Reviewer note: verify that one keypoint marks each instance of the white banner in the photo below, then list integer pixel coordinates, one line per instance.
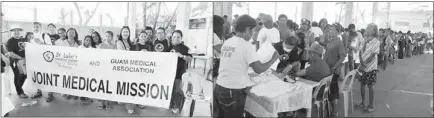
(144, 78)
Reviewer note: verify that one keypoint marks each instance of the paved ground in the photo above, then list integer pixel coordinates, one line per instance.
(404, 89)
(63, 107)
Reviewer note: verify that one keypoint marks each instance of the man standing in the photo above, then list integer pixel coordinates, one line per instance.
(52, 33)
(16, 52)
(283, 27)
(43, 39)
(334, 56)
(233, 22)
(161, 44)
(268, 33)
(39, 36)
(233, 81)
(226, 27)
(309, 39)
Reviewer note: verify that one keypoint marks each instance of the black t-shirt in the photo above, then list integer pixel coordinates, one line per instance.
(182, 64)
(12, 46)
(293, 55)
(161, 46)
(54, 37)
(147, 46)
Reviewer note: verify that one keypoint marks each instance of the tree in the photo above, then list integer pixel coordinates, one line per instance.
(158, 14)
(146, 6)
(87, 12)
(63, 16)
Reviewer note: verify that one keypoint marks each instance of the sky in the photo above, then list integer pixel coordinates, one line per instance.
(118, 11)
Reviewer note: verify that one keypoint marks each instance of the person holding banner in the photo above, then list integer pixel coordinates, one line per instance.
(183, 57)
(233, 81)
(68, 39)
(124, 43)
(161, 44)
(88, 42)
(96, 39)
(143, 44)
(16, 52)
(62, 38)
(108, 43)
(44, 39)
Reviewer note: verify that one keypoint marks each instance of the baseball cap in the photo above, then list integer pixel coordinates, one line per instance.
(305, 21)
(16, 27)
(315, 47)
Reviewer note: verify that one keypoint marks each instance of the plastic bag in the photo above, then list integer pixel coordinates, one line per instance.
(265, 52)
(8, 80)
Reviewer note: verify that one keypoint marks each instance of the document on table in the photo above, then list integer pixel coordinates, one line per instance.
(274, 88)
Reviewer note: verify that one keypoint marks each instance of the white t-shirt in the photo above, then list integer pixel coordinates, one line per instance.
(272, 35)
(316, 31)
(65, 43)
(237, 54)
(216, 41)
(346, 56)
(45, 39)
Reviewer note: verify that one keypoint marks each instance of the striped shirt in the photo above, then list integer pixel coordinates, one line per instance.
(372, 46)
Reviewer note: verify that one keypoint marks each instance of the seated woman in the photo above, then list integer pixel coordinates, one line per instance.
(289, 57)
(183, 57)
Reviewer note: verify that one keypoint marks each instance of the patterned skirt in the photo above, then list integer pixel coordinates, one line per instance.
(369, 78)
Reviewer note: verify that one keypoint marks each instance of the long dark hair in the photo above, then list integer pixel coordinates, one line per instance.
(27, 35)
(128, 38)
(63, 29)
(92, 44)
(99, 38)
(76, 35)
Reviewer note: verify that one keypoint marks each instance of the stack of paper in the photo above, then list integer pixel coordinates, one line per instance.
(274, 88)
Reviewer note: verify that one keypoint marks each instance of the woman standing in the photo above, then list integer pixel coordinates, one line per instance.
(183, 57)
(368, 68)
(124, 43)
(108, 43)
(143, 44)
(88, 42)
(96, 39)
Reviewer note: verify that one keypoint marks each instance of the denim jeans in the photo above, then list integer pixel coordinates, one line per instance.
(229, 103)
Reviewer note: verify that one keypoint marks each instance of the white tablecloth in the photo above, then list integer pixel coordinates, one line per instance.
(290, 100)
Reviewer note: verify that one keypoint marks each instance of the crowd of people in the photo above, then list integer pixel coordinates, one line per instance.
(311, 50)
(149, 40)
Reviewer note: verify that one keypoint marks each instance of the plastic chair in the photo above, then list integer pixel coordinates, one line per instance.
(190, 94)
(347, 89)
(322, 102)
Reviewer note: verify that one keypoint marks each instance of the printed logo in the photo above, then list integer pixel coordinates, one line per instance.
(159, 47)
(48, 56)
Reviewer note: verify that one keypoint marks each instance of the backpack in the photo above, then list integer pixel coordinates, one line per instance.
(43, 38)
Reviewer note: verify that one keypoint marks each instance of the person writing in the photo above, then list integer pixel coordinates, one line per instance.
(289, 57)
(237, 55)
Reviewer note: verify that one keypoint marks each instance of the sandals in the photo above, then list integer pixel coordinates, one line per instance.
(101, 107)
(108, 107)
(369, 110)
(360, 105)
(23, 96)
(131, 112)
